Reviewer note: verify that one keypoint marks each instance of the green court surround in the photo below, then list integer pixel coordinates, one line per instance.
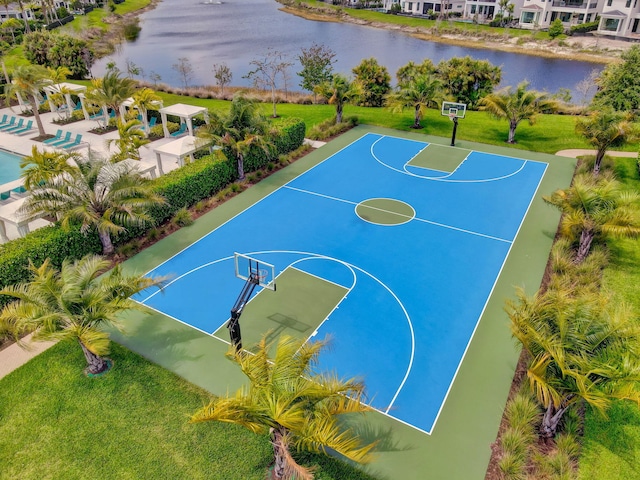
(460, 446)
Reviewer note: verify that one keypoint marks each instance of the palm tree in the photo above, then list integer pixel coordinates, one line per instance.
(111, 90)
(595, 207)
(580, 349)
(99, 194)
(11, 24)
(298, 407)
(143, 100)
(516, 106)
(241, 129)
(605, 128)
(24, 17)
(419, 92)
(74, 303)
(130, 139)
(28, 81)
(43, 166)
(58, 75)
(339, 91)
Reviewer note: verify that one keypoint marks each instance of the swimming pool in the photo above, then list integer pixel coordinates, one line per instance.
(9, 167)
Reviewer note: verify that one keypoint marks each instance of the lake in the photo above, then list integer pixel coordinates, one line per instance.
(238, 31)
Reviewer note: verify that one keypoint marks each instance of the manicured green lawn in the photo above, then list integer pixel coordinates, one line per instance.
(131, 423)
(611, 448)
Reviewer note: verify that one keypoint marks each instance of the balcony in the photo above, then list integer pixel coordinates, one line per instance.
(559, 3)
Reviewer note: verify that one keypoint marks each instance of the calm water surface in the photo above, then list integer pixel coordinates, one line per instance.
(238, 31)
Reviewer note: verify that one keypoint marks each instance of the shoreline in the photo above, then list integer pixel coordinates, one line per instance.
(575, 48)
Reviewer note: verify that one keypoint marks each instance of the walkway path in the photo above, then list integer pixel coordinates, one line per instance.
(14, 356)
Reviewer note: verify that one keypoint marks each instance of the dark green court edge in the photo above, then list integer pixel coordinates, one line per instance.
(460, 446)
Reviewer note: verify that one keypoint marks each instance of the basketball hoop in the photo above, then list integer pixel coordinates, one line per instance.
(453, 116)
(259, 275)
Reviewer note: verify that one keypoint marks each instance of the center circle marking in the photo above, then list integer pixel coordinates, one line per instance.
(385, 211)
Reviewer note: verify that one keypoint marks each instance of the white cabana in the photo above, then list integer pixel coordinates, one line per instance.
(67, 89)
(129, 103)
(181, 148)
(186, 114)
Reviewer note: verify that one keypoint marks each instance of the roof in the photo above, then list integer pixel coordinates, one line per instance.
(533, 7)
(183, 110)
(71, 87)
(182, 146)
(613, 13)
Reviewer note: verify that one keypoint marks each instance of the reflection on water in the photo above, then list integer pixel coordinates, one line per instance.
(238, 31)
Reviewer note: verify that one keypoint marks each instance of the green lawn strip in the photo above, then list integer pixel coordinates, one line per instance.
(472, 412)
(130, 423)
(297, 308)
(611, 449)
(440, 157)
(550, 134)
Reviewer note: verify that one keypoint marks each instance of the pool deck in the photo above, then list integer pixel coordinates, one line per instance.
(97, 144)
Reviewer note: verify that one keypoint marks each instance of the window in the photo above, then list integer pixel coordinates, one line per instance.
(546, 14)
(473, 9)
(410, 6)
(635, 2)
(527, 17)
(588, 17)
(581, 18)
(609, 2)
(565, 17)
(628, 4)
(611, 24)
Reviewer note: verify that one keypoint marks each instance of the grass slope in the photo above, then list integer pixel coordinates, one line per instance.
(131, 423)
(611, 448)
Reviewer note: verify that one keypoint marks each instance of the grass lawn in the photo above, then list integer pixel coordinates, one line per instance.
(131, 423)
(550, 134)
(611, 448)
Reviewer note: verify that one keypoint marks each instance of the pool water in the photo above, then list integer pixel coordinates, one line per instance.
(9, 167)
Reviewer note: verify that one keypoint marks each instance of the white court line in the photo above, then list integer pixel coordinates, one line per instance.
(445, 179)
(464, 354)
(260, 200)
(451, 227)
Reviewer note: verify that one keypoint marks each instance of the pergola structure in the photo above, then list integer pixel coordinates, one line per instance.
(186, 114)
(67, 89)
(181, 148)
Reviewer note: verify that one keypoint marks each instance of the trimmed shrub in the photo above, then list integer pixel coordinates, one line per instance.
(49, 242)
(584, 27)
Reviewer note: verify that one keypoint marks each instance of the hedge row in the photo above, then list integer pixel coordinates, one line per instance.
(181, 188)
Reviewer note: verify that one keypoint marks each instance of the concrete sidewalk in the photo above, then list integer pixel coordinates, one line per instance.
(578, 152)
(15, 356)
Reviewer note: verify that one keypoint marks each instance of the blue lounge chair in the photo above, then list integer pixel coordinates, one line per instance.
(62, 141)
(183, 128)
(75, 143)
(96, 116)
(27, 128)
(54, 139)
(9, 124)
(4, 119)
(153, 121)
(16, 126)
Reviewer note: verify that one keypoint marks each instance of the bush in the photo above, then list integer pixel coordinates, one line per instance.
(556, 28)
(328, 128)
(584, 27)
(182, 218)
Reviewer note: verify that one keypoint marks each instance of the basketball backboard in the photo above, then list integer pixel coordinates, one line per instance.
(249, 267)
(454, 109)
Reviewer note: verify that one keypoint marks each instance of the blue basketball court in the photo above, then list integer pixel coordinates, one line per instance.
(415, 251)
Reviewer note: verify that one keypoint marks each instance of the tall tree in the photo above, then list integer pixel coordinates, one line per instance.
(467, 80)
(242, 129)
(223, 75)
(374, 80)
(144, 100)
(107, 197)
(298, 408)
(605, 128)
(184, 69)
(581, 349)
(596, 207)
(27, 27)
(111, 90)
(267, 70)
(27, 82)
(317, 66)
(339, 92)
(619, 83)
(420, 92)
(408, 72)
(516, 106)
(74, 302)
